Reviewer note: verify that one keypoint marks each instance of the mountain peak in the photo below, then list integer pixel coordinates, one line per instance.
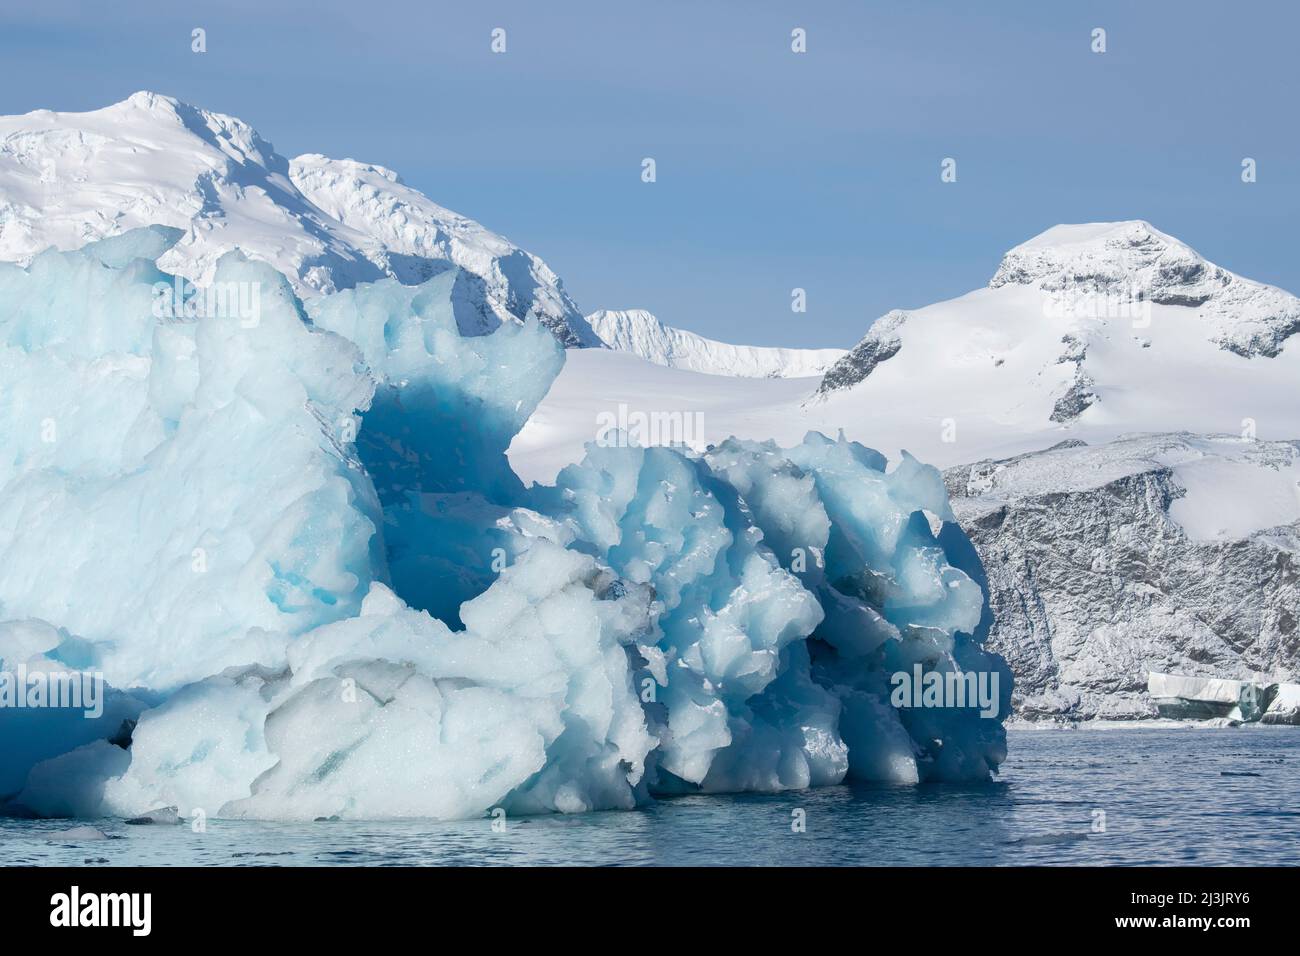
(148, 100)
(1086, 301)
(146, 106)
(1125, 233)
(1137, 262)
(1071, 254)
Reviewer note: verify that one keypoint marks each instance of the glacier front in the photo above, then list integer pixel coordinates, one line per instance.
(288, 542)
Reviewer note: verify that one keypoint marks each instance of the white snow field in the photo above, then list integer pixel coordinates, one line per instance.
(1085, 332)
(639, 332)
(289, 539)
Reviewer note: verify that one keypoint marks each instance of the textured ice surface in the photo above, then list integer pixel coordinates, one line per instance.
(176, 491)
(292, 544)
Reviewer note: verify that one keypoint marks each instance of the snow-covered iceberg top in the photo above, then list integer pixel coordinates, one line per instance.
(288, 543)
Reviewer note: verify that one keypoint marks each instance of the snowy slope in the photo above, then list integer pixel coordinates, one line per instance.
(70, 178)
(1047, 352)
(639, 332)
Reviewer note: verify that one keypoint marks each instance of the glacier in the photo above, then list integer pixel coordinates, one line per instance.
(290, 542)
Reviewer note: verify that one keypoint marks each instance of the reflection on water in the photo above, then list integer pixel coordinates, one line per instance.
(1163, 796)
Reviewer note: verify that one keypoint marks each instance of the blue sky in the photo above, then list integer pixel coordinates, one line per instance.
(775, 170)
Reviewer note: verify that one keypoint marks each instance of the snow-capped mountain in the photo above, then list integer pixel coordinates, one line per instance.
(1087, 332)
(1092, 324)
(70, 178)
(1119, 261)
(639, 332)
(1166, 553)
(1098, 283)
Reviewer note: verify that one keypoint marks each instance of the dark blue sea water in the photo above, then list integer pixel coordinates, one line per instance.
(1175, 796)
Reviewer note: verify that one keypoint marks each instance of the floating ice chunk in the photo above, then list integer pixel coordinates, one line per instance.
(1201, 698)
(894, 595)
(1223, 701)
(299, 537)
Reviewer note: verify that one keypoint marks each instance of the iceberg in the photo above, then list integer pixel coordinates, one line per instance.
(1201, 698)
(289, 542)
(1218, 698)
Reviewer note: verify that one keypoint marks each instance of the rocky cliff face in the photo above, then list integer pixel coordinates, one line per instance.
(1170, 553)
(880, 344)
